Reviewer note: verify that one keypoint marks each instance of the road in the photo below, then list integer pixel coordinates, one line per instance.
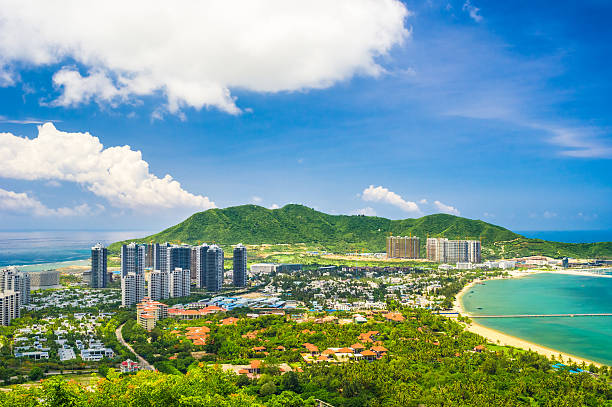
(143, 362)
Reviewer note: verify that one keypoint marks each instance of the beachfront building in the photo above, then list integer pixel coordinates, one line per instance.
(214, 268)
(240, 266)
(133, 258)
(44, 279)
(12, 279)
(442, 250)
(10, 307)
(403, 247)
(99, 266)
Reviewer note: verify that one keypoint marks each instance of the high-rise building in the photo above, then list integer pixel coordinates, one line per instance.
(133, 258)
(10, 306)
(192, 263)
(149, 256)
(403, 247)
(200, 265)
(214, 268)
(474, 251)
(159, 285)
(179, 283)
(178, 257)
(154, 287)
(160, 255)
(453, 251)
(99, 269)
(132, 288)
(12, 279)
(240, 266)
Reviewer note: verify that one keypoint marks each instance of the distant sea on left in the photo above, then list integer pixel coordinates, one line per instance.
(44, 249)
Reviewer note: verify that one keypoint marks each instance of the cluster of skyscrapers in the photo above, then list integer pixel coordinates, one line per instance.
(440, 250)
(14, 292)
(173, 268)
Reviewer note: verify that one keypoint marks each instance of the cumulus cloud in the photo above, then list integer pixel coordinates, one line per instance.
(256, 199)
(446, 208)
(117, 174)
(22, 203)
(472, 11)
(382, 194)
(274, 206)
(367, 211)
(193, 52)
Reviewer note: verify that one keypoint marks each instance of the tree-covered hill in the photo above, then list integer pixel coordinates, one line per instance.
(252, 224)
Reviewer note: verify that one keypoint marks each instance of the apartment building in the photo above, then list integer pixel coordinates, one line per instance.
(240, 266)
(99, 266)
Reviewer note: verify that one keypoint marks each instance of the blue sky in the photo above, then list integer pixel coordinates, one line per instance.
(492, 110)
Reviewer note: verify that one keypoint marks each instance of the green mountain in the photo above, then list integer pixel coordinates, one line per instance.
(252, 224)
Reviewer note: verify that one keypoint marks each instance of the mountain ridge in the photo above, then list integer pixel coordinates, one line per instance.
(293, 223)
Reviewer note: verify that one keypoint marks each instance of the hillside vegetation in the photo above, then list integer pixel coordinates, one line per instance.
(252, 224)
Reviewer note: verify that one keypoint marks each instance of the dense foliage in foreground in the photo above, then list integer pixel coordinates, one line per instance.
(252, 224)
(485, 379)
(430, 362)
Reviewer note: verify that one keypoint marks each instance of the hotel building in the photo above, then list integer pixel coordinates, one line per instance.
(442, 250)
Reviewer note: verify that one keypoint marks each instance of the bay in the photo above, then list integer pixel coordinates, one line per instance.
(589, 337)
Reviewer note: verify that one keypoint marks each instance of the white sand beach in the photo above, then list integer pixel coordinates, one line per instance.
(500, 338)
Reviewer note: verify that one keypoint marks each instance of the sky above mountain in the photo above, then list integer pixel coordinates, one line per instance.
(122, 115)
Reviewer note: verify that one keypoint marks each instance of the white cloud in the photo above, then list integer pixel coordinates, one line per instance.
(78, 89)
(472, 11)
(382, 194)
(423, 201)
(446, 208)
(256, 199)
(22, 203)
(274, 206)
(367, 211)
(118, 174)
(193, 52)
(579, 142)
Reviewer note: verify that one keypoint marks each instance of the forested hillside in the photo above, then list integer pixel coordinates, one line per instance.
(252, 224)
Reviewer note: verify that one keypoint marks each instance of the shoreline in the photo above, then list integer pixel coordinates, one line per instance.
(500, 338)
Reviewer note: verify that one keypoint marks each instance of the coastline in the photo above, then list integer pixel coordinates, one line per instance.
(500, 338)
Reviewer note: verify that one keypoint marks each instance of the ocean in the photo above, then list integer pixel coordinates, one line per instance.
(549, 293)
(44, 249)
(569, 236)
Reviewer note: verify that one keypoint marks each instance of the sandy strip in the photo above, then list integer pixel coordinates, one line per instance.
(500, 338)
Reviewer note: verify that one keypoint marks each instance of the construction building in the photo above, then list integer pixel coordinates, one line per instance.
(403, 247)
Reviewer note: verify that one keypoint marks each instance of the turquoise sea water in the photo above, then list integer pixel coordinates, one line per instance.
(549, 293)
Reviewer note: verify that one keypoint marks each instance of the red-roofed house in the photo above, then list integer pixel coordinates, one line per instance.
(128, 366)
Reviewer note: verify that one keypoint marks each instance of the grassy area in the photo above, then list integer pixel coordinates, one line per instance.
(83, 379)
